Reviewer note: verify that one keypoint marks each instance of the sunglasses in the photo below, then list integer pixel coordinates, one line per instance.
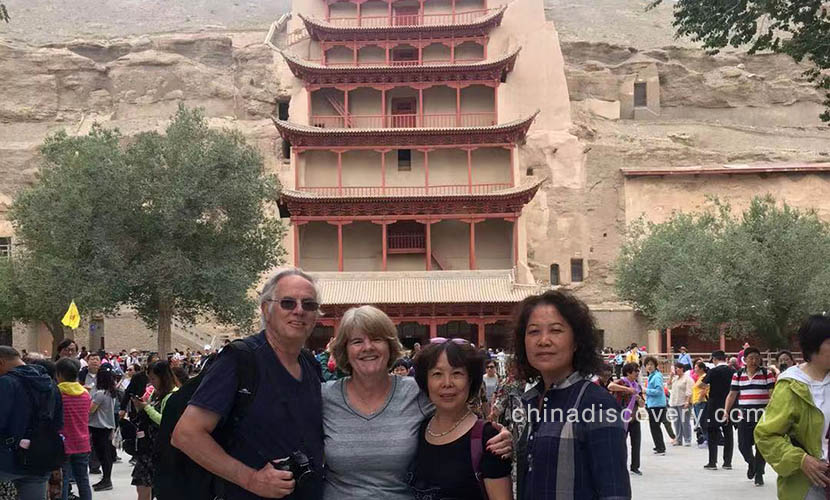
(441, 340)
(289, 304)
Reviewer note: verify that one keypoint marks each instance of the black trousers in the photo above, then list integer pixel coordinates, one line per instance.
(715, 432)
(102, 447)
(635, 435)
(746, 440)
(657, 416)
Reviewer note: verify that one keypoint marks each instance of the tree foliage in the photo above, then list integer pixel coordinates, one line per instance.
(4, 13)
(798, 28)
(760, 273)
(173, 225)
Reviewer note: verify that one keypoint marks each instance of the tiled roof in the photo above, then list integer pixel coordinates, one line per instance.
(421, 287)
(314, 25)
(730, 169)
(371, 68)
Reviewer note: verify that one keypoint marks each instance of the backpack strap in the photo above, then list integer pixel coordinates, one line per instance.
(477, 452)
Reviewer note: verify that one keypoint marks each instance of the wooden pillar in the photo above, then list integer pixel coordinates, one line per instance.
(359, 15)
(390, 24)
(512, 151)
(470, 170)
(354, 52)
(420, 53)
(486, 42)
(421, 13)
(383, 171)
(668, 342)
(383, 232)
(328, 12)
(452, 51)
(296, 162)
(310, 110)
(429, 245)
(339, 172)
(472, 245)
(495, 105)
(516, 242)
(481, 334)
(383, 99)
(433, 329)
(458, 106)
(346, 108)
(453, 11)
(426, 170)
(421, 106)
(296, 244)
(340, 247)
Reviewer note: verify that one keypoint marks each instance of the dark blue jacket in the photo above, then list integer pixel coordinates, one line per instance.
(16, 409)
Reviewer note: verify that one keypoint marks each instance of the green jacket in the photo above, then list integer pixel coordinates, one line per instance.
(790, 415)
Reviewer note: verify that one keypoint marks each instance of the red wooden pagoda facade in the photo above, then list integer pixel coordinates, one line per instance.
(406, 193)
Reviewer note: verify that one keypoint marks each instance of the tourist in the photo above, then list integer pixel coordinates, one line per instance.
(629, 395)
(684, 358)
(507, 406)
(700, 394)
(449, 372)
(401, 368)
(783, 360)
(88, 374)
(656, 405)
(491, 383)
(17, 380)
(791, 436)
(369, 408)
(75, 432)
(680, 401)
(165, 382)
(285, 415)
(102, 423)
(751, 388)
(718, 427)
(67, 348)
(555, 339)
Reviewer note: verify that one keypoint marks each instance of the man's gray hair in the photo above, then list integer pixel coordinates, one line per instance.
(270, 286)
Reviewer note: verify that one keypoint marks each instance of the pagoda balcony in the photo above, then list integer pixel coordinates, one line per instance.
(414, 19)
(441, 120)
(391, 62)
(446, 189)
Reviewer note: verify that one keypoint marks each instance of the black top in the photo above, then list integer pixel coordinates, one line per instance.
(446, 471)
(719, 379)
(285, 415)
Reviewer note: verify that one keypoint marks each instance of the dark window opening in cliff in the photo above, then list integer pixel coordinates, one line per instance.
(576, 270)
(529, 171)
(554, 274)
(282, 110)
(5, 246)
(286, 149)
(5, 334)
(640, 95)
(404, 160)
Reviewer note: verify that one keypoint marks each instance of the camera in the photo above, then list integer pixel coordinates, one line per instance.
(299, 465)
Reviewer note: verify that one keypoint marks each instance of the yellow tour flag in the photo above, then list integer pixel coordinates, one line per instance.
(72, 318)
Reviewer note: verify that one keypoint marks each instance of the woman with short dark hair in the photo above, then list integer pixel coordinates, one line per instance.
(792, 436)
(102, 423)
(555, 340)
(450, 373)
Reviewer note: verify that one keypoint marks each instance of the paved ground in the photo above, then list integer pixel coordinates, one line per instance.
(679, 472)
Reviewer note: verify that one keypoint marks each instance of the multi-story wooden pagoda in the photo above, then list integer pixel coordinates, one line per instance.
(406, 188)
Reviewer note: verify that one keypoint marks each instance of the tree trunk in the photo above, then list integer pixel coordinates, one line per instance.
(164, 328)
(56, 329)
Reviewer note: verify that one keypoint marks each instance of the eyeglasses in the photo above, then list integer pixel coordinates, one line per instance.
(441, 340)
(289, 304)
(490, 366)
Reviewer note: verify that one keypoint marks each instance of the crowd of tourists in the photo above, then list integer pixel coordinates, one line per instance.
(265, 418)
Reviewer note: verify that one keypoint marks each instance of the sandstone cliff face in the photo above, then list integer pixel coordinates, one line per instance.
(134, 85)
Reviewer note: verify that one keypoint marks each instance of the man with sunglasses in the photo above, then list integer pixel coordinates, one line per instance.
(285, 413)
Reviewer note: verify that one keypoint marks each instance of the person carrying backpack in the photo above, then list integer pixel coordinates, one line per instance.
(30, 417)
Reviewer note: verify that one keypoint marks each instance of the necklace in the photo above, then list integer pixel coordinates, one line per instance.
(442, 434)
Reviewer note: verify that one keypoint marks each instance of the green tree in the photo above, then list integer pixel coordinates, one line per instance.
(760, 273)
(62, 225)
(174, 225)
(798, 28)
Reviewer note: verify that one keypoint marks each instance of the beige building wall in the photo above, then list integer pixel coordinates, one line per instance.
(339, 55)
(317, 253)
(451, 243)
(362, 246)
(494, 249)
(371, 54)
(374, 9)
(491, 166)
(415, 176)
(436, 52)
(360, 168)
(657, 197)
(469, 51)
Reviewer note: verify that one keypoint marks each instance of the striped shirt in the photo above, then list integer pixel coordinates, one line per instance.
(755, 392)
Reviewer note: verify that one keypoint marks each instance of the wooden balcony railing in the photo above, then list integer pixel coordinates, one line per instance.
(412, 19)
(359, 64)
(443, 120)
(406, 241)
(405, 190)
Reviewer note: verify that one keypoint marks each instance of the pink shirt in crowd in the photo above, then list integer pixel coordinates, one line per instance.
(76, 423)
